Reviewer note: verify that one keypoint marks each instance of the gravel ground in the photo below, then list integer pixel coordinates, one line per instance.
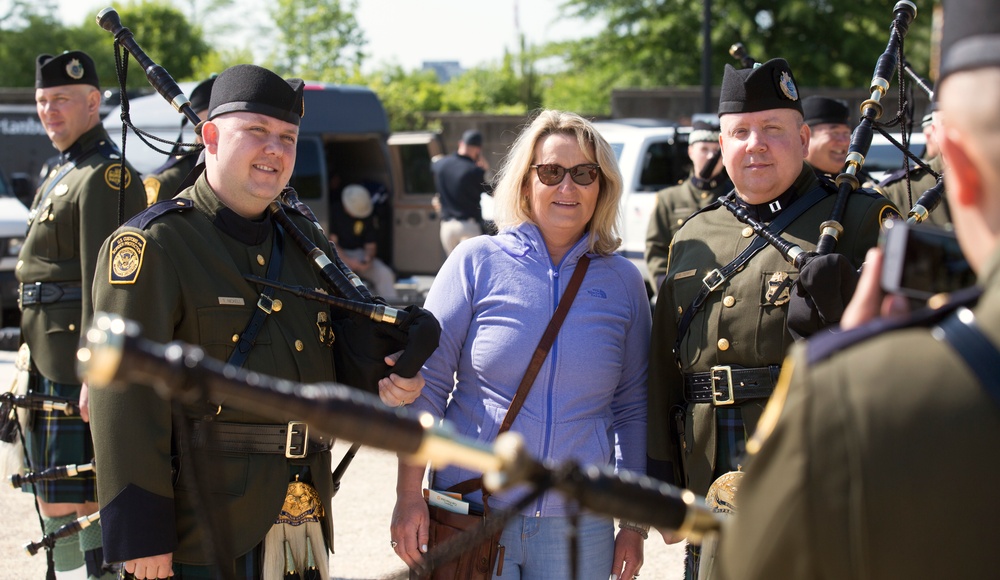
(362, 511)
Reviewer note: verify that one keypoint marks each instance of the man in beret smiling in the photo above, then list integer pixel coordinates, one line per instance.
(73, 211)
(178, 270)
(719, 328)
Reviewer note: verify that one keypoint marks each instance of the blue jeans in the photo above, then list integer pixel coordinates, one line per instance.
(539, 548)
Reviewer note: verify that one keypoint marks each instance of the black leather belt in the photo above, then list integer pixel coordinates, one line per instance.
(291, 440)
(725, 385)
(49, 292)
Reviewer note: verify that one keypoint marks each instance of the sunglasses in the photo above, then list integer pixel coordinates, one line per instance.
(552, 174)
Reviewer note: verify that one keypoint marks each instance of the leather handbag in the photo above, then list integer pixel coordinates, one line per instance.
(479, 562)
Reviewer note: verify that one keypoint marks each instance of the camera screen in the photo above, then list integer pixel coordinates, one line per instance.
(934, 263)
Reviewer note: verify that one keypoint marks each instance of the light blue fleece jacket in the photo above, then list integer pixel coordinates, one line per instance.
(494, 296)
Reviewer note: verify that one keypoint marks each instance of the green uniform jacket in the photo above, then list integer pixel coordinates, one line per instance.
(189, 286)
(674, 205)
(864, 474)
(894, 188)
(736, 325)
(71, 220)
(164, 183)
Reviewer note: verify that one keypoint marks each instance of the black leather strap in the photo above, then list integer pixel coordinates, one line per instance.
(50, 292)
(961, 332)
(714, 386)
(258, 438)
(264, 304)
(717, 277)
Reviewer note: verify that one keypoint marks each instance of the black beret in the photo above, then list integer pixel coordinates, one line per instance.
(818, 110)
(970, 37)
(73, 67)
(704, 131)
(761, 88)
(253, 89)
(472, 137)
(201, 95)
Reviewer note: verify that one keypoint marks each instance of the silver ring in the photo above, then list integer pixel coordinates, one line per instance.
(401, 404)
(393, 544)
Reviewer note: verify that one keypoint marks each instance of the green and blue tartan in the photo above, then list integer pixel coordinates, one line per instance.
(56, 439)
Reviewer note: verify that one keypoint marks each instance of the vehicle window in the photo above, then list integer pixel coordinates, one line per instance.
(416, 161)
(617, 148)
(307, 178)
(661, 166)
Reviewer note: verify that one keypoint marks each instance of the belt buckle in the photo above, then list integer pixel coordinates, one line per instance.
(266, 303)
(728, 370)
(713, 280)
(297, 437)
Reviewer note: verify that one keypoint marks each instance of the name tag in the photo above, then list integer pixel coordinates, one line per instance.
(231, 301)
(685, 274)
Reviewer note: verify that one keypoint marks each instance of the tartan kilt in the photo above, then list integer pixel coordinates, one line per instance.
(730, 440)
(55, 439)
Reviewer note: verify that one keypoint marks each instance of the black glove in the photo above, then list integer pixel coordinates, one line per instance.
(825, 286)
(361, 346)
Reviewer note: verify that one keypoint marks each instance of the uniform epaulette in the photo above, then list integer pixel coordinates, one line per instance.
(145, 217)
(823, 346)
(108, 149)
(171, 161)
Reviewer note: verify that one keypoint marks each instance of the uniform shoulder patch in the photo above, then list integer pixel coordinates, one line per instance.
(145, 217)
(114, 173)
(888, 212)
(152, 186)
(126, 257)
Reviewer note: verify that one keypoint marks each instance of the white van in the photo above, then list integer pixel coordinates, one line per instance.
(13, 225)
(652, 155)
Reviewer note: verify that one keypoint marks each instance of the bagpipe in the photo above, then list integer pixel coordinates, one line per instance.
(116, 353)
(51, 474)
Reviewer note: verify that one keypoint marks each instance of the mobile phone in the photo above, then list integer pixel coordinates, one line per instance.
(920, 261)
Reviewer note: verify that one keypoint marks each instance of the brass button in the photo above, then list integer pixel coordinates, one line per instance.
(680, 221)
(72, 327)
(276, 305)
(299, 346)
(723, 344)
(236, 338)
(260, 259)
(680, 310)
(747, 232)
(704, 194)
(728, 301)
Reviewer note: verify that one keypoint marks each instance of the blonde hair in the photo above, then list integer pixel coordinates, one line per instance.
(510, 205)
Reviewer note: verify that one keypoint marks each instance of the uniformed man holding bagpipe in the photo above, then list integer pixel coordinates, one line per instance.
(75, 208)
(189, 487)
(862, 463)
(719, 328)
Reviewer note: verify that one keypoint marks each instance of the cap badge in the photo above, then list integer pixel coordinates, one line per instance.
(74, 69)
(788, 86)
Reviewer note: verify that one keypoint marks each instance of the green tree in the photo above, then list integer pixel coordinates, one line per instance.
(166, 36)
(162, 32)
(405, 95)
(832, 43)
(318, 39)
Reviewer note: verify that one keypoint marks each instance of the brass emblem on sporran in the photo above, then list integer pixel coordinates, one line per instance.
(721, 498)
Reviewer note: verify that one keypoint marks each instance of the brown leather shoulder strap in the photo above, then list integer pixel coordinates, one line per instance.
(541, 351)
